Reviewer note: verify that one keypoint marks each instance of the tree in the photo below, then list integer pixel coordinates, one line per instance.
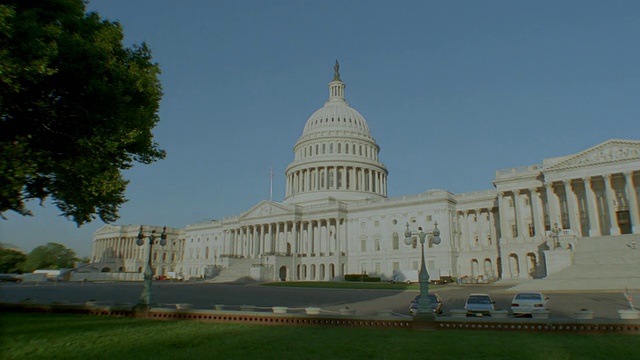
(11, 260)
(76, 108)
(51, 256)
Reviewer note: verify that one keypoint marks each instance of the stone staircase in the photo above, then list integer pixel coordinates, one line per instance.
(608, 263)
(238, 271)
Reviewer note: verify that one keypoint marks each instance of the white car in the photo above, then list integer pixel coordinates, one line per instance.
(525, 303)
(479, 305)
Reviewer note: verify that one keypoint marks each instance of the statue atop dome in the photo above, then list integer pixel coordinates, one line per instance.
(336, 71)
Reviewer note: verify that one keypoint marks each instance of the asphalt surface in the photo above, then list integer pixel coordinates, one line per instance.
(365, 302)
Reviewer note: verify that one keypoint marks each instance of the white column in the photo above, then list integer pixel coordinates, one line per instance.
(611, 204)
(370, 181)
(523, 229)
(503, 216)
(572, 204)
(311, 238)
(537, 212)
(473, 229)
(484, 227)
(632, 200)
(327, 238)
(338, 237)
(554, 206)
(592, 208)
(294, 240)
(492, 227)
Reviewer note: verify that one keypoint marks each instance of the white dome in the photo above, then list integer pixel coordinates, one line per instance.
(336, 156)
(336, 114)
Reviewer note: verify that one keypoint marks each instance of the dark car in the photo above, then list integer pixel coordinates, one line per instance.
(11, 277)
(436, 304)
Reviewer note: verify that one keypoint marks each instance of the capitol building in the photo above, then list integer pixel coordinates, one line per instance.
(337, 219)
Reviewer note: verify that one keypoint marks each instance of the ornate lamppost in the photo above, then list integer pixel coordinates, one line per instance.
(425, 308)
(146, 299)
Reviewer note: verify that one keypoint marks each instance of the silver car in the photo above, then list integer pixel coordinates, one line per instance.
(525, 303)
(479, 305)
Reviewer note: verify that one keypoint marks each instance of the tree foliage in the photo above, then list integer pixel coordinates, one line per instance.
(11, 261)
(51, 256)
(76, 108)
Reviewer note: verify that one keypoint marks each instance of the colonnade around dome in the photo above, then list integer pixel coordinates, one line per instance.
(346, 178)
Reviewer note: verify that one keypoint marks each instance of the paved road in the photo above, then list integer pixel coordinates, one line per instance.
(204, 295)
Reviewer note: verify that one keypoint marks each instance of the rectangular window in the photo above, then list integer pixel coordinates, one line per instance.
(396, 241)
(376, 268)
(414, 265)
(377, 244)
(395, 265)
(363, 245)
(376, 223)
(429, 218)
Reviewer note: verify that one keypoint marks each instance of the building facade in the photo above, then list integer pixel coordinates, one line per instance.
(336, 217)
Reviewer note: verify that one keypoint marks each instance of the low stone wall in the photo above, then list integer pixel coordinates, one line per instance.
(107, 276)
(384, 321)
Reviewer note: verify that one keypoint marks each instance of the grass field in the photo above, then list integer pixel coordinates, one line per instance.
(53, 336)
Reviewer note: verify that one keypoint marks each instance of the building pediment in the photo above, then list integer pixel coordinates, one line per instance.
(608, 152)
(266, 209)
(106, 230)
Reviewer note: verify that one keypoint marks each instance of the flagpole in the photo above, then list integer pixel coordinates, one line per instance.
(271, 186)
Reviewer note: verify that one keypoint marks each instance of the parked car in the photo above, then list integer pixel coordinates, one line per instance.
(404, 276)
(479, 305)
(526, 302)
(436, 303)
(11, 277)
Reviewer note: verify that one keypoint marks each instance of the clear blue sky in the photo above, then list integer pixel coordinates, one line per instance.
(452, 92)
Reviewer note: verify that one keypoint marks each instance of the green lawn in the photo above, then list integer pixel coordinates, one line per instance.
(53, 336)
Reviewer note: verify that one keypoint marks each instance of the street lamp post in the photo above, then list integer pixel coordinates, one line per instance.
(146, 299)
(425, 308)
